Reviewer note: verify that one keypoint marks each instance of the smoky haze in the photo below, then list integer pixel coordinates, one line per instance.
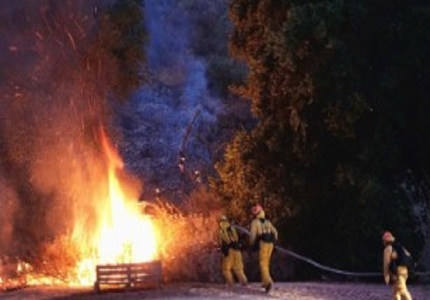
(175, 116)
(54, 90)
(51, 109)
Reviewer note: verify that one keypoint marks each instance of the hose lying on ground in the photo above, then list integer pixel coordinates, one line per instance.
(323, 267)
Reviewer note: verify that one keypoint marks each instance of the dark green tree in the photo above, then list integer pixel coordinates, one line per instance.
(337, 87)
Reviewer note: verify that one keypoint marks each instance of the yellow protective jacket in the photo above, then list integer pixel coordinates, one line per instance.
(399, 280)
(259, 226)
(389, 255)
(232, 260)
(228, 237)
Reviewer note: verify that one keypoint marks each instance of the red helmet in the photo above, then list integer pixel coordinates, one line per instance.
(388, 237)
(256, 209)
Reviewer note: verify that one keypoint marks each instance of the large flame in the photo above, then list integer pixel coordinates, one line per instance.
(124, 233)
(114, 230)
(127, 235)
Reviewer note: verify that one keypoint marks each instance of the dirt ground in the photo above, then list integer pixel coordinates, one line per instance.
(200, 291)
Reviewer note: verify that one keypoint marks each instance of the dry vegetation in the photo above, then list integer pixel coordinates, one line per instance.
(187, 244)
(188, 241)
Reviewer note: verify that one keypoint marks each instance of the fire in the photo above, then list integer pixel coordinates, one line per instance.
(114, 230)
(127, 236)
(124, 234)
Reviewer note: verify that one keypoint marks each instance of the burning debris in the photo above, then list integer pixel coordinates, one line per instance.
(12, 274)
(121, 234)
(124, 235)
(67, 203)
(125, 247)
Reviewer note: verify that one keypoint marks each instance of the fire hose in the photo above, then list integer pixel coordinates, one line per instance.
(323, 267)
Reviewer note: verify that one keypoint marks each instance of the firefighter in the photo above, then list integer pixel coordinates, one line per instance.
(395, 271)
(232, 256)
(263, 235)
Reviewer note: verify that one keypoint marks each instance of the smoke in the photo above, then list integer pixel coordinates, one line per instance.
(51, 108)
(172, 120)
(54, 86)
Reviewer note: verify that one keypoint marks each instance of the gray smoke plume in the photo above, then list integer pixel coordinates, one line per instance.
(170, 125)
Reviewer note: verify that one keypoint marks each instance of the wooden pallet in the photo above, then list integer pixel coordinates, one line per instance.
(146, 274)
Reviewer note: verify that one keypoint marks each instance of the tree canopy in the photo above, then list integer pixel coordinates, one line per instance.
(339, 90)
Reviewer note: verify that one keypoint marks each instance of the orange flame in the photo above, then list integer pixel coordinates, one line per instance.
(124, 234)
(116, 232)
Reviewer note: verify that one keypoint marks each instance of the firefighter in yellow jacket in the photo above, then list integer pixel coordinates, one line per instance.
(399, 275)
(232, 255)
(263, 235)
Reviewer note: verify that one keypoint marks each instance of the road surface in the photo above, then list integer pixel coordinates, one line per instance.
(202, 291)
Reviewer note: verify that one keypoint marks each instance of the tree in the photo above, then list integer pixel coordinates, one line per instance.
(329, 148)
